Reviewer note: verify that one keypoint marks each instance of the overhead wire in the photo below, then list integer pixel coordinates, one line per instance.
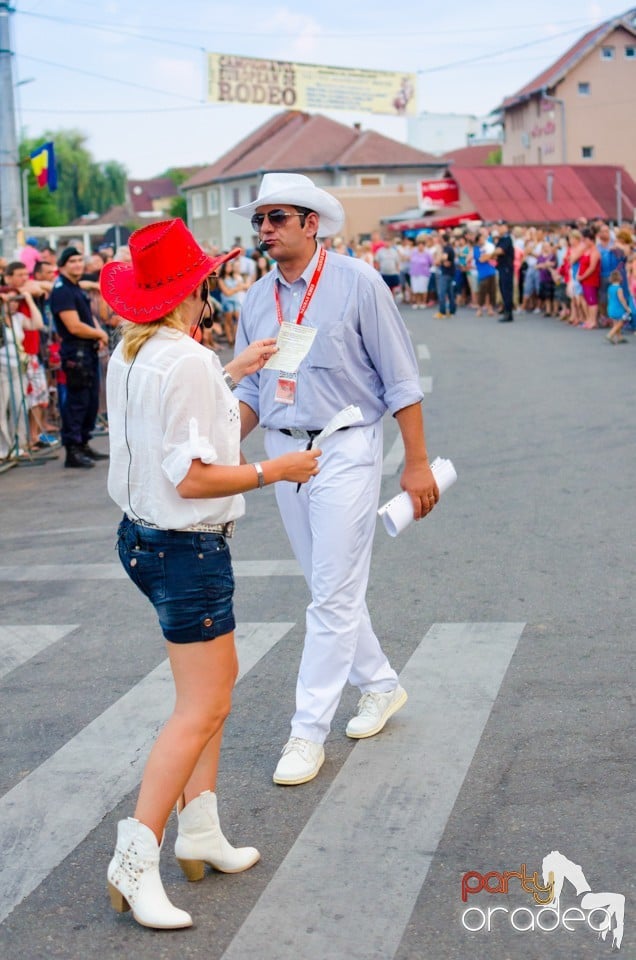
(201, 104)
(426, 70)
(340, 35)
(101, 76)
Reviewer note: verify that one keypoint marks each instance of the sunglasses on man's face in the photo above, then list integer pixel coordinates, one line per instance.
(276, 218)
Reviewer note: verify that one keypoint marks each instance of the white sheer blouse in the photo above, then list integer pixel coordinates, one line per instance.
(168, 407)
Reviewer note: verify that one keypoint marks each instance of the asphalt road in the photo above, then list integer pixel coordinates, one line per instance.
(510, 614)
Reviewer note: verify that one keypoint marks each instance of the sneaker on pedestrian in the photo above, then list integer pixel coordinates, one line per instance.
(373, 711)
(300, 762)
(440, 316)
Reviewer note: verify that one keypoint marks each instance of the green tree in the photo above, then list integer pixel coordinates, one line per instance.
(494, 157)
(84, 186)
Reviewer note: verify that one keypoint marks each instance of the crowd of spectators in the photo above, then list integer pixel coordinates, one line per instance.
(583, 274)
(33, 385)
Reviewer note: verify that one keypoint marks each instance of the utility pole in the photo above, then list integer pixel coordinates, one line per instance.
(10, 207)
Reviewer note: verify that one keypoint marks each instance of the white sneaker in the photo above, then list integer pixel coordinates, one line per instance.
(300, 762)
(374, 709)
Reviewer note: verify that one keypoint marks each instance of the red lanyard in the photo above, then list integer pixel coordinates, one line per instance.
(311, 289)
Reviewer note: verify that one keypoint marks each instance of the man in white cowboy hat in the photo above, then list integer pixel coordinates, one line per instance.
(357, 351)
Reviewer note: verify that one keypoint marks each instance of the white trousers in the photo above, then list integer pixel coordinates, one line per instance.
(330, 523)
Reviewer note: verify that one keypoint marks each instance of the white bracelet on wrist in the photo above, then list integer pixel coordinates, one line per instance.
(259, 474)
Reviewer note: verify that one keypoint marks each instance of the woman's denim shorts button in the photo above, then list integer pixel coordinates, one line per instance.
(208, 622)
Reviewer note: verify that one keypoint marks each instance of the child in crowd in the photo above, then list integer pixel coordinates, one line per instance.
(617, 308)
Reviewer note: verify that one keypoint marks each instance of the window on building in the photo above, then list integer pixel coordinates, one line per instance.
(236, 197)
(213, 201)
(585, 89)
(630, 53)
(197, 205)
(587, 153)
(607, 53)
(370, 180)
(253, 192)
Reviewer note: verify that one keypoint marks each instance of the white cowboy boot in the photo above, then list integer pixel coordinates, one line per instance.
(200, 841)
(134, 882)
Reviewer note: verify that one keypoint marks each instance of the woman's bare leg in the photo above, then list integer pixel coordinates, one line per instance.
(186, 753)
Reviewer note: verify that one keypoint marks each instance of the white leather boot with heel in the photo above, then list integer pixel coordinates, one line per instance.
(134, 882)
(200, 840)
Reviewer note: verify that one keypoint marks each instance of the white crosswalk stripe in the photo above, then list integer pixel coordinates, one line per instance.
(19, 643)
(69, 794)
(392, 797)
(114, 571)
(371, 840)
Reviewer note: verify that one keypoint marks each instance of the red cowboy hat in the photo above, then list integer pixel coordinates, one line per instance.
(167, 265)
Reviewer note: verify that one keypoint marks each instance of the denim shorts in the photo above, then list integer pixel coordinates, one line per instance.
(186, 576)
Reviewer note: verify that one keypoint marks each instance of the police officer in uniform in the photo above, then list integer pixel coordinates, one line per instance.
(505, 254)
(80, 337)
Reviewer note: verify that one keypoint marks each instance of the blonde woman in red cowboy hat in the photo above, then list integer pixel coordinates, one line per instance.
(175, 471)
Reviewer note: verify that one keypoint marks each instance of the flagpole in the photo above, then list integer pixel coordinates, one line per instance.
(10, 211)
(25, 197)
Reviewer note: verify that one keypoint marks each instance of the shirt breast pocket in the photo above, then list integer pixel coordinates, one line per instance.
(328, 349)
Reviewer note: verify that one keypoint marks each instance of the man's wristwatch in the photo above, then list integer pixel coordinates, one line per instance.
(232, 384)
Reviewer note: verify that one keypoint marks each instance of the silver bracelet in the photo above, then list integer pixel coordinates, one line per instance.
(259, 474)
(232, 384)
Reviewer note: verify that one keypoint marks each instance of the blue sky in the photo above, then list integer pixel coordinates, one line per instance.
(131, 74)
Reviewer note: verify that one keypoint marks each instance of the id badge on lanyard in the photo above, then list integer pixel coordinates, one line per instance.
(287, 380)
(286, 388)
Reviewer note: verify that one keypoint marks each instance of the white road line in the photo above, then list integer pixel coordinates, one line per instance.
(19, 643)
(62, 531)
(392, 460)
(426, 384)
(46, 815)
(350, 882)
(114, 571)
(423, 352)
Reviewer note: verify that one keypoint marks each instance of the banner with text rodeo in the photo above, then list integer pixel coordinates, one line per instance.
(304, 86)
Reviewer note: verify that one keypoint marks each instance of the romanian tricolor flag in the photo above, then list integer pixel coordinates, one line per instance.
(43, 164)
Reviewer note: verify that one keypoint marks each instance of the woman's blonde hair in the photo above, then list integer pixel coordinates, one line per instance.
(136, 334)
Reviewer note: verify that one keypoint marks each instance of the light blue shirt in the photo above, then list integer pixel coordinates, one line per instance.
(362, 352)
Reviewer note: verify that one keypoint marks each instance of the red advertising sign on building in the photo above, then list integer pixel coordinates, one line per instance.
(438, 193)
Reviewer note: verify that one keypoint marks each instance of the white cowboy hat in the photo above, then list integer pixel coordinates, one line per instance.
(298, 191)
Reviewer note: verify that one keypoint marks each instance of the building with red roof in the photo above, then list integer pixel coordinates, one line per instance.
(531, 195)
(581, 108)
(371, 174)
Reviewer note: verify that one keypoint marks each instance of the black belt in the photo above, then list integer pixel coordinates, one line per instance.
(308, 435)
(299, 434)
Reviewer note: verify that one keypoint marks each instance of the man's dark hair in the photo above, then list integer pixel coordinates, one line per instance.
(13, 267)
(40, 265)
(303, 211)
(588, 233)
